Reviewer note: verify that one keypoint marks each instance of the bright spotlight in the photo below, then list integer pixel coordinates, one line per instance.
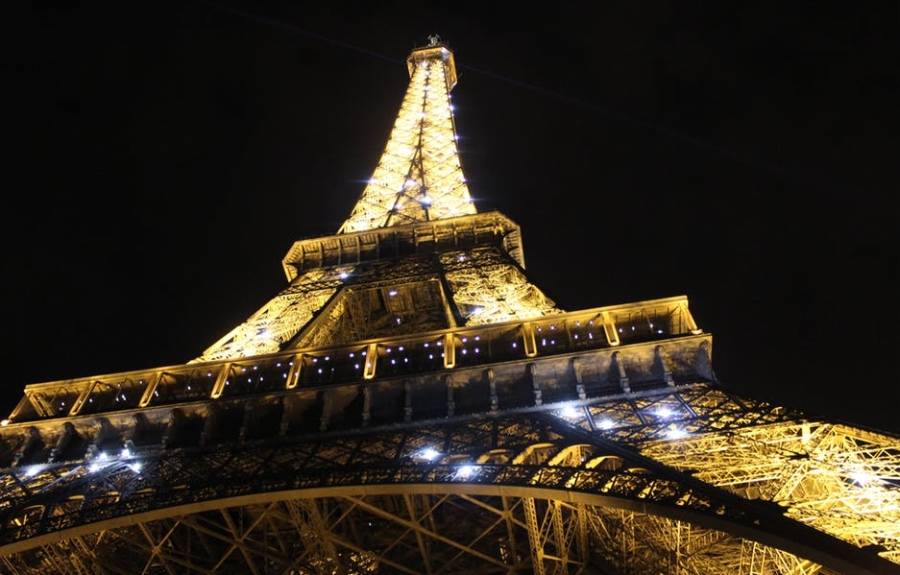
(569, 412)
(428, 454)
(466, 471)
(862, 477)
(605, 424)
(32, 470)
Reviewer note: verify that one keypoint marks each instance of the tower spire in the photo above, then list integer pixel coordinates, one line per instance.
(419, 176)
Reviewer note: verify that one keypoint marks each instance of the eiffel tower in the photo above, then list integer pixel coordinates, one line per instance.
(411, 403)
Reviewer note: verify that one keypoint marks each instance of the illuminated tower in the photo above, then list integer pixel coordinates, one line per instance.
(411, 403)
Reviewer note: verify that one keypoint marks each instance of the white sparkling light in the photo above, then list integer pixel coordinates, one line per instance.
(343, 275)
(676, 433)
(466, 471)
(136, 466)
(126, 453)
(862, 477)
(33, 470)
(428, 454)
(605, 423)
(663, 412)
(569, 412)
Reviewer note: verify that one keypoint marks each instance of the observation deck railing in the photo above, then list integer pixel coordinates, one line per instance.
(392, 357)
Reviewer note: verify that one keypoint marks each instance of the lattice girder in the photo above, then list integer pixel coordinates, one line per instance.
(476, 287)
(111, 494)
(840, 480)
(445, 533)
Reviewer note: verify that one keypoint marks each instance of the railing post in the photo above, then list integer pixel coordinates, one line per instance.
(371, 361)
(529, 341)
(293, 376)
(151, 389)
(219, 385)
(609, 328)
(449, 351)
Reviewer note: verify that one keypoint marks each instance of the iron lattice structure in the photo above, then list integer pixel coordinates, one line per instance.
(411, 403)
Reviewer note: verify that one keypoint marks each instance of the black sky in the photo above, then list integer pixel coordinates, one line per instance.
(166, 156)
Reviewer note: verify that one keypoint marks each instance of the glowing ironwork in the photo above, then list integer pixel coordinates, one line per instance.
(411, 403)
(419, 176)
(278, 321)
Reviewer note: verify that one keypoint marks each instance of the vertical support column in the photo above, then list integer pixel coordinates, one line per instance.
(535, 384)
(287, 411)
(534, 536)
(65, 438)
(367, 404)
(662, 366)
(559, 534)
(246, 421)
(584, 549)
(407, 401)
(619, 370)
(609, 328)
(579, 378)
(32, 439)
(451, 404)
(210, 423)
(174, 425)
(703, 362)
(492, 386)
(510, 530)
(326, 411)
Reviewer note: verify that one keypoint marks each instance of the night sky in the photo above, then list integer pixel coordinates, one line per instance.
(166, 156)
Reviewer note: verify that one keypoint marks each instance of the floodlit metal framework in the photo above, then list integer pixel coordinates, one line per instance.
(410, 403)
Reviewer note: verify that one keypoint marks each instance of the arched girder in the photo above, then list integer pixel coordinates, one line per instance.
(833, 554)
(393, 461)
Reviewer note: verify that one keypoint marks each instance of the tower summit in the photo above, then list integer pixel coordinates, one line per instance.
(419, 177)
(412, 403)
(415, 221)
